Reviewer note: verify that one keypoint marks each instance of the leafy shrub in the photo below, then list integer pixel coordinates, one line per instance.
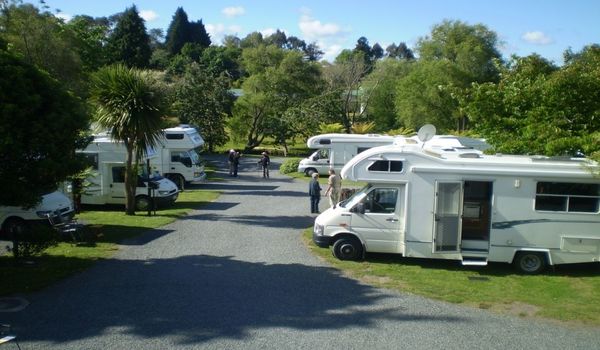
(33, 239)
(289, 166)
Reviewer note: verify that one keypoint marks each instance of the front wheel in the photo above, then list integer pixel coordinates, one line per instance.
(142, 203)
(178, 180)
(310, 172)
(347, 248)
(530, 263)
(14, 228)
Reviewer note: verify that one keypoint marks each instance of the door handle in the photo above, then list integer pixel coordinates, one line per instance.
(391, 220)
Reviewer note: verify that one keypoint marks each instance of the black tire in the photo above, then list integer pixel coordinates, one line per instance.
(178, 180)
(142, 203)
(12, 227)
(530, 263)
(347, 248)
(310, 172)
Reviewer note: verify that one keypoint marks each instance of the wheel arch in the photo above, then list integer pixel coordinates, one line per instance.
(545, 252)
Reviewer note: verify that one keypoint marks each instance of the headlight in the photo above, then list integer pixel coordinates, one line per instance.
(163, 193)
(44, 214)
(318, 229)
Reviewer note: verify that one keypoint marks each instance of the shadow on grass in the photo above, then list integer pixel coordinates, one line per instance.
(492, 269)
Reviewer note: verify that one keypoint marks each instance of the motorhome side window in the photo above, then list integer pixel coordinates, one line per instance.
(567, 197)
(362, 149)
(91, 159)
(391, 166)
(381, 200)
(174, 136)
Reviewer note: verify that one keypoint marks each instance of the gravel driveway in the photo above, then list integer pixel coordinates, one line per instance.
(235, 275)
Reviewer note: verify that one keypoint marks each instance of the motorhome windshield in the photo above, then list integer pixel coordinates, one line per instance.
(355, 198)
(143, 174)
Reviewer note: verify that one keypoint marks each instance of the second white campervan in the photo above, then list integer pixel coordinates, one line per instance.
(107, 186)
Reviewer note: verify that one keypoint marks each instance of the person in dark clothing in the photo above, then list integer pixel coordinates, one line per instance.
(236, 163)
(314, 191)
(264, 163)
(230, 161)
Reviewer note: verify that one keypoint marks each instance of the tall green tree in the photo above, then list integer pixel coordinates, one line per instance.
(40, 124)
(177, 33)
(473, 48)
(204, 100)
(43, 40)
(279, 82)
(537, 108)
(130, 104)
(129, 43)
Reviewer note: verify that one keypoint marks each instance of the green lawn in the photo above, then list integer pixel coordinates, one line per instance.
(110, 225)
(570, 293)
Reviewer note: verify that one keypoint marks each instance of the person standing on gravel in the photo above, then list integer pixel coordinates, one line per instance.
(314, 191)
(264, 163)
(334, 188)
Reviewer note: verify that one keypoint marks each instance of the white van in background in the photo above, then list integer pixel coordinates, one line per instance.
(54, 207)
(107, 186)
(177, 159)
(335, 150)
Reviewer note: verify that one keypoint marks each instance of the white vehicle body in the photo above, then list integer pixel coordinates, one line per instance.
(55, 206)
(107, 186)
(177, 158)
(335, 150)
(529, 210)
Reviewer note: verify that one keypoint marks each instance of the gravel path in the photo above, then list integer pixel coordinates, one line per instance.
(235, 275)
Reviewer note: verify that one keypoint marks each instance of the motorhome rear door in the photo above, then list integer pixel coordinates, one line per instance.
(446, 227)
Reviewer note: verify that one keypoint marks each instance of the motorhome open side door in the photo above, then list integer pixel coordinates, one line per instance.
(447, 217)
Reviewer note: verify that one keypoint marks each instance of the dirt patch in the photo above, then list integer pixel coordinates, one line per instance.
(517, 309)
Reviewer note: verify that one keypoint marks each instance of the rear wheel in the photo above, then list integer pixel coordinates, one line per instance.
(142, 203)
(12, 228)
(347, 248)
(530, 263)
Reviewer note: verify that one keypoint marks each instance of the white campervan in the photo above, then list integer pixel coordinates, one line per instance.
(54, 207)
(107, 186)
(335, 150)
(532, 211)
(177, 159)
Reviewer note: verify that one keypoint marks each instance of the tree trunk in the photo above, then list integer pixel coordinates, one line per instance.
(130, 182)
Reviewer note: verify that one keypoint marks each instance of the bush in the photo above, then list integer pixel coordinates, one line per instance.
(289, 166)
(33, 240)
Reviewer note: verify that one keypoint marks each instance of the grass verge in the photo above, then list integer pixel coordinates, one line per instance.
(110, 225)
(569, 293)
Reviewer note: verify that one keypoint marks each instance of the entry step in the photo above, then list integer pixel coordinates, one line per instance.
(474, 261)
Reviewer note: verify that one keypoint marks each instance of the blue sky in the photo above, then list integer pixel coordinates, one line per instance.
(546, 27)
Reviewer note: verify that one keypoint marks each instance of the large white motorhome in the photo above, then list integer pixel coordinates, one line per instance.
(107, 186)
(531, 211)
(54, 208)
(335, 150)
(176, 157)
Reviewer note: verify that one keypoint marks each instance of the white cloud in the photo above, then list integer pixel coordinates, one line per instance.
(148, 15)
(218, 31)
(233, 11)
(313, 29)
(537, 37)
(330, 37)
(268, 32)
(65, 17)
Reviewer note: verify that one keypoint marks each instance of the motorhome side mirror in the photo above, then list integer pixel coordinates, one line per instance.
(153, 185)
(315, 158)
(359, 208)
